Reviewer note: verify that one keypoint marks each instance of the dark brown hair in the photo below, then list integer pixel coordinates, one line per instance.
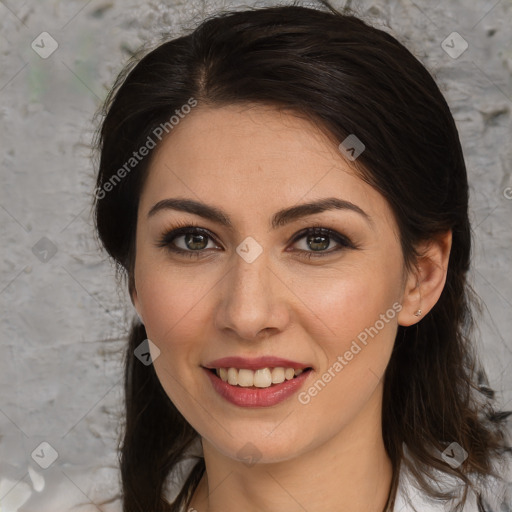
(348, 78)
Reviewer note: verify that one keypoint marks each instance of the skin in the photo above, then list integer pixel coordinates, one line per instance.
(252, 161)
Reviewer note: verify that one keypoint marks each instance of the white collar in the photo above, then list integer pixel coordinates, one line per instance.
(496, 495)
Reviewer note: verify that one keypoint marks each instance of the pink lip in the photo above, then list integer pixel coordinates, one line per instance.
(253, 397)
(255, 363)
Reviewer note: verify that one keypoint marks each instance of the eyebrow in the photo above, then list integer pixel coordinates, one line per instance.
(281, 218)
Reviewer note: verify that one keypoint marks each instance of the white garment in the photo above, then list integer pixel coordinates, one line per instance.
(410, 499)
(497, 494)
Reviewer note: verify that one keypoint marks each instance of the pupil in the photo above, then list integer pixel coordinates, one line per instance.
(196, 237)
(317, 243)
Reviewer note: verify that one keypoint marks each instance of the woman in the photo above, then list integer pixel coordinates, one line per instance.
(286, 192)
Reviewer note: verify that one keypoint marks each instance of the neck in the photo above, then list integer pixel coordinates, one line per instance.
(350, 472)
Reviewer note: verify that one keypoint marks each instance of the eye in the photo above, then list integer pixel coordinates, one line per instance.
(317, 240)
(190, 240)
(193, 241)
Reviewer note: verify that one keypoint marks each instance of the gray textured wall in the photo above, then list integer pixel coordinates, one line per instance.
(64, 319)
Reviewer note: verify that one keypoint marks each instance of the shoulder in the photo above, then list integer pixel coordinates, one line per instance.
(489, 494)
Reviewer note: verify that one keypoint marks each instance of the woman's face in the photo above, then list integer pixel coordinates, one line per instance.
(255, 286)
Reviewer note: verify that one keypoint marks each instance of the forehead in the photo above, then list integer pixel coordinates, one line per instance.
(252, 157)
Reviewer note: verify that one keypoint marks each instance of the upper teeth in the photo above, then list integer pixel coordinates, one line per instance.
(262, 378)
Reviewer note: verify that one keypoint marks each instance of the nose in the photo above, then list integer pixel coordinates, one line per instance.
(252, 300)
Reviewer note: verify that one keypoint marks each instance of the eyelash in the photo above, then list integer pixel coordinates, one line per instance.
(191, 228)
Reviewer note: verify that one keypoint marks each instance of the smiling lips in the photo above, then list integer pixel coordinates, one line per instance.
(259, 382)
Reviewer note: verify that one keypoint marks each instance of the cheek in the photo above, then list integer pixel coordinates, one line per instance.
(170, 294)
(174, 309)
(173, 305)
(353, 320)
(340, 304)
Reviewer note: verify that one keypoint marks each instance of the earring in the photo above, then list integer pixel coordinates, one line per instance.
(418, 311)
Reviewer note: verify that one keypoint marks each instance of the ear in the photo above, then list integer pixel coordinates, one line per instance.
(135, 301)
(425, 282)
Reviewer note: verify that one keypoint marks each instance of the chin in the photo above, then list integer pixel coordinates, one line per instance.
(259, 448)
